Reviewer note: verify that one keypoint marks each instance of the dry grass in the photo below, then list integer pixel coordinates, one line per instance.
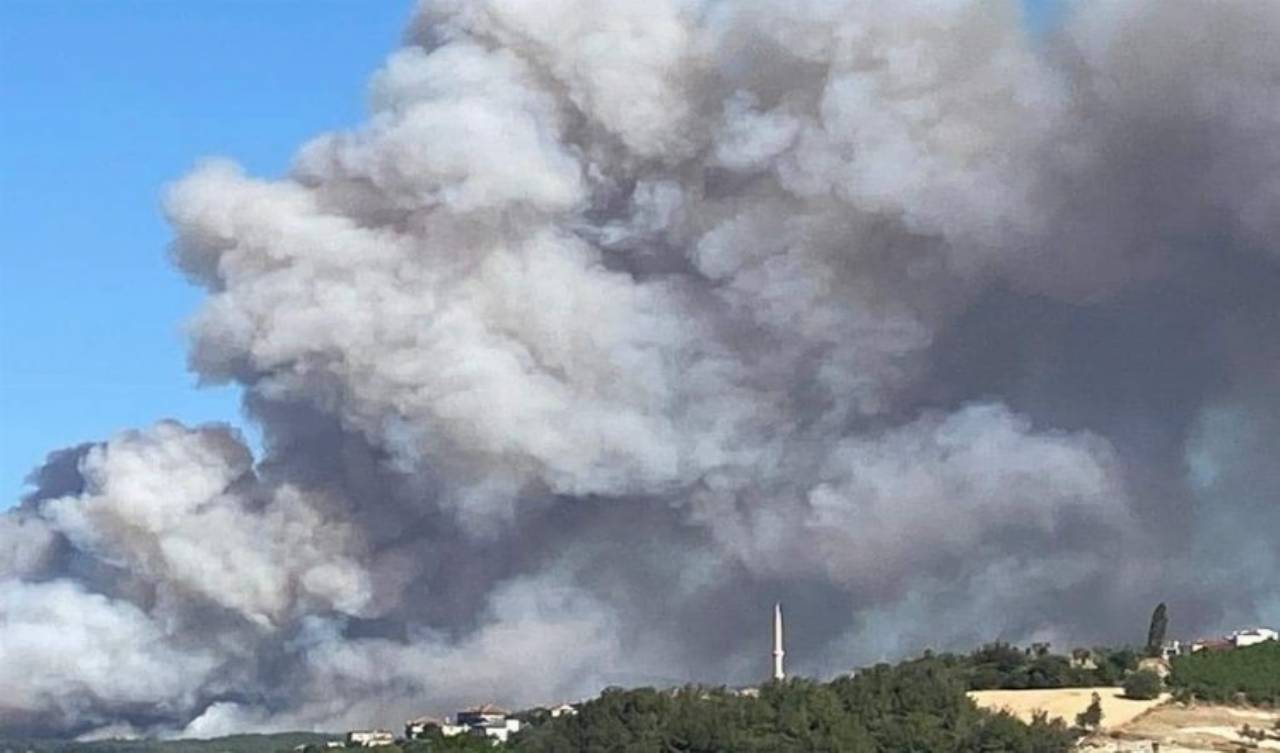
(1192, 729)
(1065, 703)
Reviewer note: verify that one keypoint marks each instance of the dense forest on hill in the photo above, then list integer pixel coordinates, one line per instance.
(1002, 666)
(1250, 674)
(915, 706)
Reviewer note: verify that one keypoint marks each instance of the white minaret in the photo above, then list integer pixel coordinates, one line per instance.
(778, 674)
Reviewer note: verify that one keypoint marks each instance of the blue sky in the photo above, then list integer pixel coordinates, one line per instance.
(101, 104)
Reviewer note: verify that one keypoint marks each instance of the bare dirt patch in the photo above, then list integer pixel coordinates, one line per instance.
(1065, 703)
(1190, 729)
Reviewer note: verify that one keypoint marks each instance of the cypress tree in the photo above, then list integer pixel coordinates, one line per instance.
(1155, 634)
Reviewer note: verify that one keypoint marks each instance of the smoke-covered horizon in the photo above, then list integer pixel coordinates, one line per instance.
(615, 324)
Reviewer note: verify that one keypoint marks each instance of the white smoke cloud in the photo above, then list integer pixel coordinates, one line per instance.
(537, 635)
(979, 473)
(65, 652)
(171, 508)
(615, 323)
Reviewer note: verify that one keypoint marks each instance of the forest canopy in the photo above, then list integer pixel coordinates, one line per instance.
(918, 705)
(1250, 674)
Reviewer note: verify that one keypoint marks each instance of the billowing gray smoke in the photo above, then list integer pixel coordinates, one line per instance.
(618, 321)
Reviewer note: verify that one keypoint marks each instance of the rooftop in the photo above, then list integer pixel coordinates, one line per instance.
(485, 708)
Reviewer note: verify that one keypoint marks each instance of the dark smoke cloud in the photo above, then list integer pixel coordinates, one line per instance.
(615, 323)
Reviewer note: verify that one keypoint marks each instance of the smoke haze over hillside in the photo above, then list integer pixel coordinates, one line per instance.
(617, 322)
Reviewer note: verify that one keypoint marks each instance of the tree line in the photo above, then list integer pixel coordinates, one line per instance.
(919, 705)
(916, 705)
(1250, 674)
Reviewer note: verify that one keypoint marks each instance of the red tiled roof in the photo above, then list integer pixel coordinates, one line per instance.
(485, 708)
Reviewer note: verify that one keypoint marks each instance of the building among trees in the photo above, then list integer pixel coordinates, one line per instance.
(370, 738)
(486, 720)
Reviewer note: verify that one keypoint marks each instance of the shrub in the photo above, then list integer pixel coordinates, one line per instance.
(1091, 718)
(1143, 685)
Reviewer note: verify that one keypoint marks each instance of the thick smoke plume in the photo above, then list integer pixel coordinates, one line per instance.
(618, 321)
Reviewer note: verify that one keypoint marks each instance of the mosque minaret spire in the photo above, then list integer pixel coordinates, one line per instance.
(778, 673)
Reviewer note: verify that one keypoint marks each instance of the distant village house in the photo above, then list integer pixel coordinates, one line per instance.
(369, 738)
(482, 721)
(488, 721)
(1237, 639)
(1253, 636)
(563, 709)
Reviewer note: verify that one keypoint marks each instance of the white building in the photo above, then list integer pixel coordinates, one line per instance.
(563, 709)
(483, 721)
(1253, 636)
(500, 732)
(370, 738)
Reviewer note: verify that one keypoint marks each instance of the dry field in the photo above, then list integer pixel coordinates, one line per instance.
(1140, 726)
(1065, 703)
(1190, 729)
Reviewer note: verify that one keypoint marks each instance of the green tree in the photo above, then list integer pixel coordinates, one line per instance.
(1113, 664)
(1156, 632)
(1143, 685)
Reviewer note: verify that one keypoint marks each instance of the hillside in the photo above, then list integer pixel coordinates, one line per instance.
(1066, 703)
(918, 705)
(1195, 728)
(1250, 674)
